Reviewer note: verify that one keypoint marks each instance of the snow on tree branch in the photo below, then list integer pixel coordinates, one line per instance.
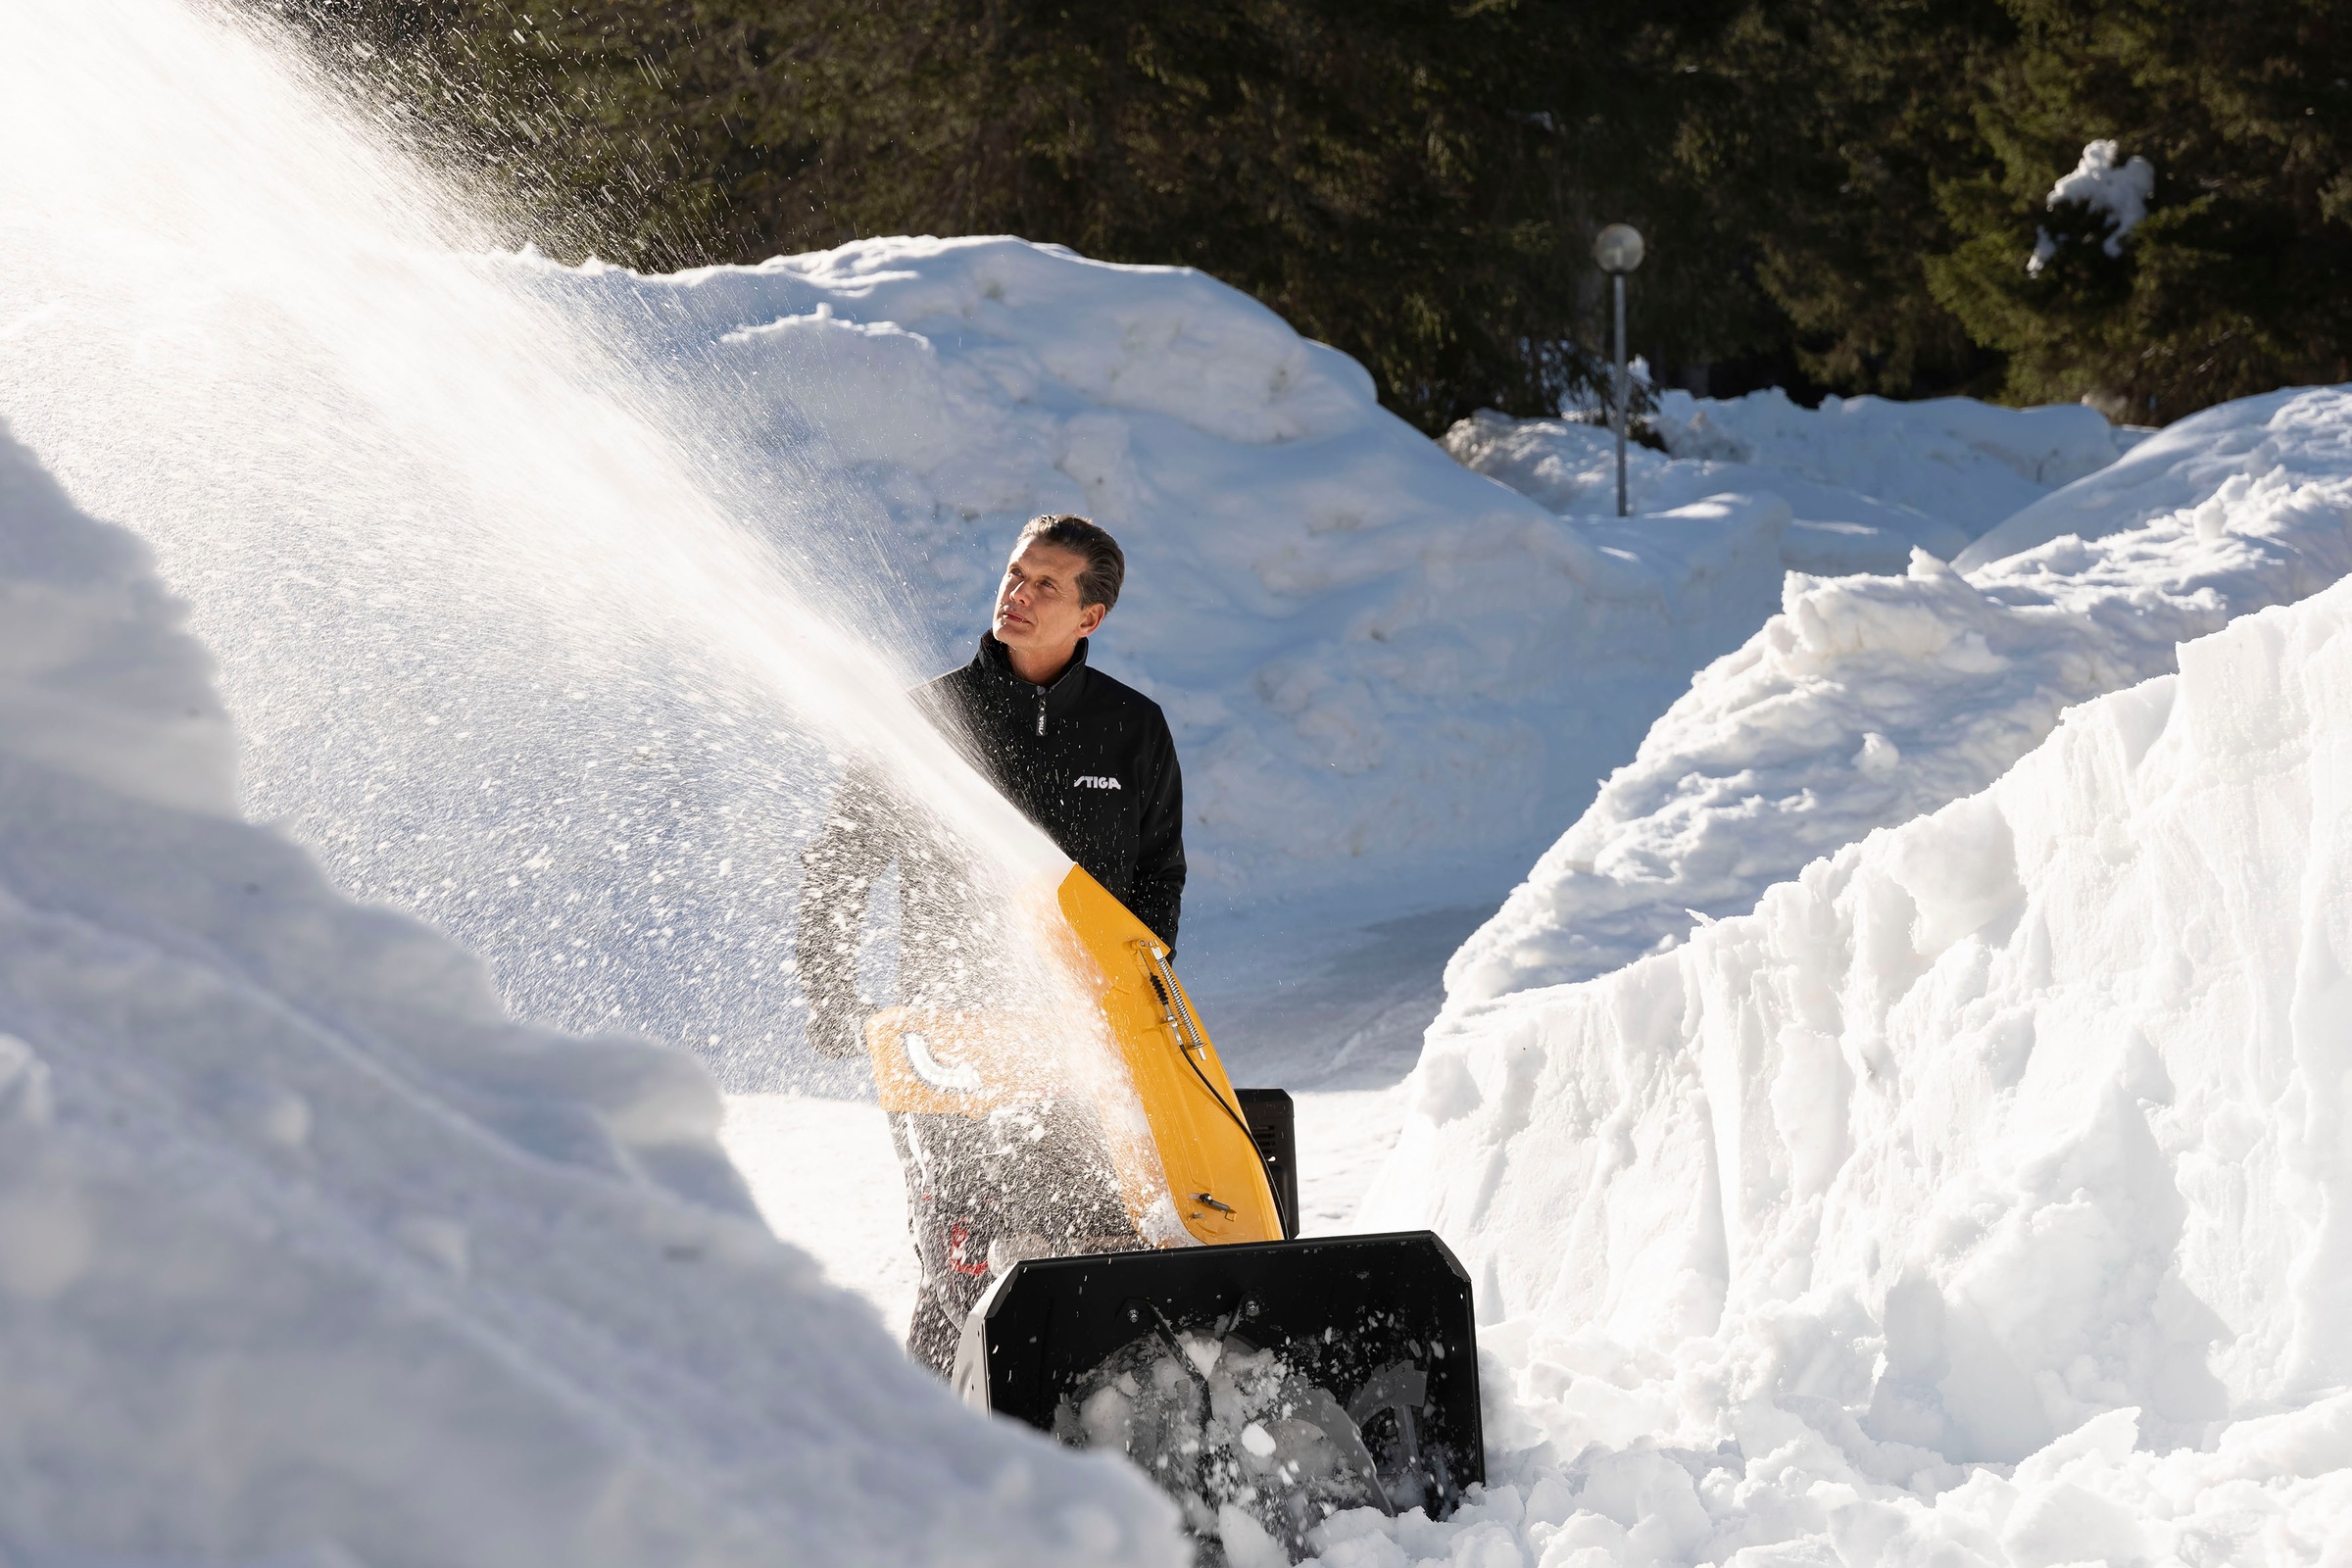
(2100, 183)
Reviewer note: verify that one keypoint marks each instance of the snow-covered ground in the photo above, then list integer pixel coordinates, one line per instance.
(825, 1178)
(309, 1255)
(1866, 478)
(1390, 680)
(1976, 1199)
(1868, 701)
(1968, 1186)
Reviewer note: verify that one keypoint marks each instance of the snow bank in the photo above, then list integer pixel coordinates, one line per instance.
(1301, 562)
(2013, 1136)
(1392, 680)
(1869, 701)
(1379, 666)
(307, 1254)
(1867, 480)
(2286, 435)
(1951, 458)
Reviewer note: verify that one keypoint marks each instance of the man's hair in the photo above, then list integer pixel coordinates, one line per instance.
(1106, 570)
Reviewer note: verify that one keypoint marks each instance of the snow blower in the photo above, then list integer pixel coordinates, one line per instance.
(1264, 1381)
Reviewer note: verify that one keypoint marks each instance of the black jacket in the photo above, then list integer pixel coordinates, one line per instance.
(1088, 758)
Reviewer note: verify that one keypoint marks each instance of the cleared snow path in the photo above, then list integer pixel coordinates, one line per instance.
(827, 1180)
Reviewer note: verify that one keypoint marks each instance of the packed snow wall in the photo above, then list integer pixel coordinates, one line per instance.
(2016, 1133)
(1379, 666)
(2177, 466)
(1390, 680)
(1871, 699)
(1867, 480)
(1375, 663)
(308, 1253)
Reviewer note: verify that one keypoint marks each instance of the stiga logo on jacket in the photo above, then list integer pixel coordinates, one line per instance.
(1094, 781)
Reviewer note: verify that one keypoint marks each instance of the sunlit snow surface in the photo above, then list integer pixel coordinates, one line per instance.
(1870, 699)
(1973, 1201)
(1358, 643)
(1865, 478)
(1979, 1198)
(1391, 681)
(309, 1255)
(1976, 1199)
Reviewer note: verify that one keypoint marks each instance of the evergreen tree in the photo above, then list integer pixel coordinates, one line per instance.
(1415, 183)
(2240, 278)
(1843, 193)
(1857, 110)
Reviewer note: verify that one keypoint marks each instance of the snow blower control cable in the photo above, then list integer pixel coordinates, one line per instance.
(1176, 1012)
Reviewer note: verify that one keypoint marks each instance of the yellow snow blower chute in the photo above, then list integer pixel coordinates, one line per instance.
(1240, 1365)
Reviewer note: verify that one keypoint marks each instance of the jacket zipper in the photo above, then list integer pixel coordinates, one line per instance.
(1040, 709)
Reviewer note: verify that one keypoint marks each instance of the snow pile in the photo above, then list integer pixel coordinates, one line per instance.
(1971, 463)
(2118, 192)
(1299, 559)
(1869, 479)
(1869, 701)
(1379, 666)
(2288, 436)
(1391, 679)
(309, 1255)
(1978, 1198)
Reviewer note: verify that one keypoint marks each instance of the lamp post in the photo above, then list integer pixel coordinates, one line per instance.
(1618, 251)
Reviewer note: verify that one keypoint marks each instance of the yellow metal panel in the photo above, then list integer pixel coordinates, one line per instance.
(972, 1062)
(935, 1062)
(1212, 1168)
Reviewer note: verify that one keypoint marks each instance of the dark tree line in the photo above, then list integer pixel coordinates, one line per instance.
(1840, 194)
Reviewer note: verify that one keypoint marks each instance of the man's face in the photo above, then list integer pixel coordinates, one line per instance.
(1036, 604)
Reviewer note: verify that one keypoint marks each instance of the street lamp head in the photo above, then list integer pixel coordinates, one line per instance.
(1618, 248)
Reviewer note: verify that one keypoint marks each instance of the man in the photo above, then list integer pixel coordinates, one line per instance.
(1087, 758)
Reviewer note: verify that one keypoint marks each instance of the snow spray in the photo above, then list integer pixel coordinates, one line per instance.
(519, 635)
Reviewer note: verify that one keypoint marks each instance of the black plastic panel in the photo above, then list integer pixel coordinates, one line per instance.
(1362, 1316)
(1274, 1129)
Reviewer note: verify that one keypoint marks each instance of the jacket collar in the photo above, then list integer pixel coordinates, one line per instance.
(998, 662)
